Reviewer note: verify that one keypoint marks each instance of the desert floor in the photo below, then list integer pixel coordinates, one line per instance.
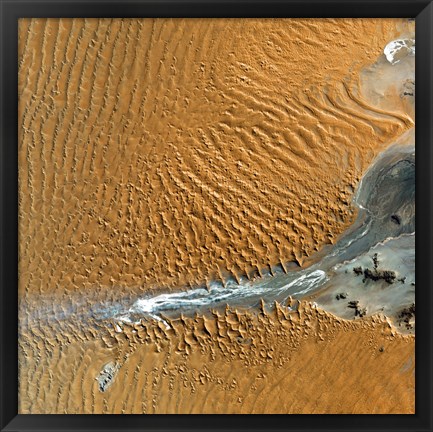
(159, 155)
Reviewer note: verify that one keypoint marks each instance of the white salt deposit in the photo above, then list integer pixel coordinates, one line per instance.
(398, 49)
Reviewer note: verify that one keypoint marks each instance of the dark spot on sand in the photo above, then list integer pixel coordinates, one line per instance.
(396, 219)
(375, 261)
(387, 275)
(354, 304)
(408, 88)
(376, 274)
(361, 312)
(106, 376)
(405, 316)
(357, 270)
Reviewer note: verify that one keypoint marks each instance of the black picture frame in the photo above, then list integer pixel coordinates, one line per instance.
(11, 10)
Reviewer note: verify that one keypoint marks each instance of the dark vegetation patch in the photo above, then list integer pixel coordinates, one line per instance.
(376, 274)
(405, 316)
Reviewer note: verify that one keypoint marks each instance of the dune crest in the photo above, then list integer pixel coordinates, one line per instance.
(160, 155)
(166, 153)
(229, 361)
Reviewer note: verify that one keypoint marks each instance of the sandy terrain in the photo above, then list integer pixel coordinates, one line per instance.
(166, 153)
(159, 155)
(301, 361)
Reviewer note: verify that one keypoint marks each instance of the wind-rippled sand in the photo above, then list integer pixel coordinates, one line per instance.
(296, 359)
(164, 154)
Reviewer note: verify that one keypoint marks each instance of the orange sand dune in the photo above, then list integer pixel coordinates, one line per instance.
(164, 153)
(234, 362)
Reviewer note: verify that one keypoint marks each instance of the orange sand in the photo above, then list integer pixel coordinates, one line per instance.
(164, 153)
(232, 362)
(169, 152)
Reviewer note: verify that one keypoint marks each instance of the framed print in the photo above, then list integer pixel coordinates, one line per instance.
(214, 209)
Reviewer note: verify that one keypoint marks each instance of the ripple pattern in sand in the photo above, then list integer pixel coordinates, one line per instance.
(170, 152)
(167, 153)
